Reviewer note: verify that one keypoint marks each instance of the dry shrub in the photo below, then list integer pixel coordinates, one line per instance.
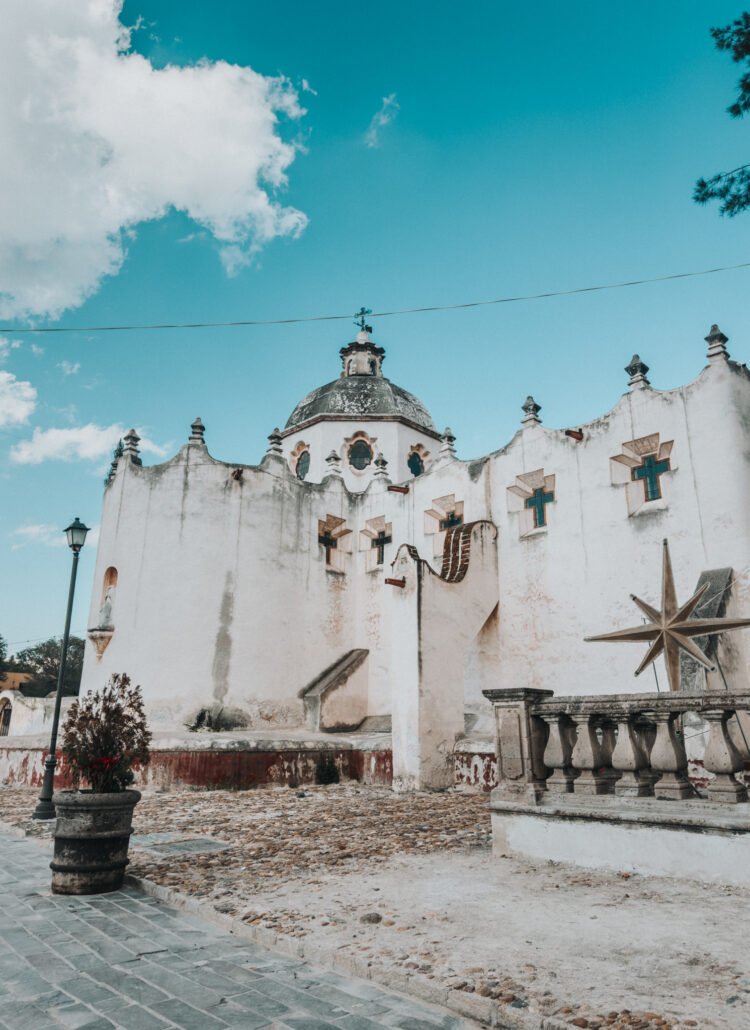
(105, 735)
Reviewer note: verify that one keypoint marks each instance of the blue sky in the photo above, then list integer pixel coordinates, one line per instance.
(444, 154)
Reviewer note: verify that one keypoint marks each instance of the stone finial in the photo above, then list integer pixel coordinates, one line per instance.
(716, 341)
(131, 441)
(274, 443)
(637, 370)
(532, 409)
(333, 461)
(447, 450)
(381, 465)
(116, 455)
(197, 429)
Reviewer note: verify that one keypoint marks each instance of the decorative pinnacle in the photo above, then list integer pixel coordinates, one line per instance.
(360, 319)
(532, 410)
(447, 450)
(274, 443)
(131, 441)
(637, 370)
(334, 464)
(381, 465)
(197, 429)
(716, 341)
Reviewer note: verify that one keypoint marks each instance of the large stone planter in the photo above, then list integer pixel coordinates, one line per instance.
(92, 834)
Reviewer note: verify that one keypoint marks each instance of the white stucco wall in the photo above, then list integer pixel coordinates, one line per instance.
(223, 596)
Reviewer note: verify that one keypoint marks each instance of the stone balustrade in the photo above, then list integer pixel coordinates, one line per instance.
(627, 745)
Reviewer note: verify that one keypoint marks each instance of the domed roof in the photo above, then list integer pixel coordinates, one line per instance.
(361, 392)
(362, 396)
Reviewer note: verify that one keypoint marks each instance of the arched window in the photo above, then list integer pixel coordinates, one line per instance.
(360, 454)
(415, 463)
(303, 465)
(5, 713)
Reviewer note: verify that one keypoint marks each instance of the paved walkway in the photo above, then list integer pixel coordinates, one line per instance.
(128, 961)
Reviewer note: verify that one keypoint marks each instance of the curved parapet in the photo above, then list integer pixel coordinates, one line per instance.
(457, 549)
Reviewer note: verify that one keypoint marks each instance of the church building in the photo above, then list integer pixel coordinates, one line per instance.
(365, 576)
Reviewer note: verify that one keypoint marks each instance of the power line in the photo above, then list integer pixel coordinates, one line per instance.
(376, 314)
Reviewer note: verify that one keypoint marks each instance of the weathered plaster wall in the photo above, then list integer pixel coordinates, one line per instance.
(224, 600)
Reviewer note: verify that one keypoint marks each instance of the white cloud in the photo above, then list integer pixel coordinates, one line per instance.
(388, 111)
(48, 536)
(69, 369)
(83, 443)
(6, 346)
(36, 350)
(17, 400)
(97, 140)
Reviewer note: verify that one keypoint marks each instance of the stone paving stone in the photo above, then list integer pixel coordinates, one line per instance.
(127, 962)
(186, 1016)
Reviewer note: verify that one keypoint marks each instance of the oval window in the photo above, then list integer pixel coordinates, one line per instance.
(415, 463)
(360, 454)
(303, 465)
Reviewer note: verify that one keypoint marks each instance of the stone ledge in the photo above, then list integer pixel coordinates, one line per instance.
(690, 816)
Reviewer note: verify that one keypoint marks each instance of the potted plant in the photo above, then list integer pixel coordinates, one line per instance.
(104, 737)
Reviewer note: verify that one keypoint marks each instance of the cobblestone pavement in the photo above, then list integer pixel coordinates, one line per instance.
(124, 960)
(406, 889)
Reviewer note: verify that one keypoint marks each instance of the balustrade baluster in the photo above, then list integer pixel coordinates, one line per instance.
(589, 757)
(557, 754)
(630, 758)
(668, 756)
(722, 758)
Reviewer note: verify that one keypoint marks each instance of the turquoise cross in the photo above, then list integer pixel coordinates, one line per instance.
(451, 520)
(379, 542)
(360, 315)
(649, 472)
(537, 501)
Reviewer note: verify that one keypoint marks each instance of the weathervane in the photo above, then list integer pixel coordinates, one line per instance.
(671, 628)
(360, 319)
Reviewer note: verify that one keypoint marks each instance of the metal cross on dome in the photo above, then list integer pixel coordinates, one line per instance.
(360, 319)
(671, 628)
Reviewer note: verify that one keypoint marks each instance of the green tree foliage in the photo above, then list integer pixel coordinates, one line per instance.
(43, 662)
(105, 736)
(3, 658)
(732, 189)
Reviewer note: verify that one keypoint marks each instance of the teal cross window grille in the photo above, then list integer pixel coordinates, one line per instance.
(537, 501)
(329, 542)
(415, 463)
(379, 542)
(451, 520)
(303, 465)
(649, 472)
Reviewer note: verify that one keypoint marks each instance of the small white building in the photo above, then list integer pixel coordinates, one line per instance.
(364, 570)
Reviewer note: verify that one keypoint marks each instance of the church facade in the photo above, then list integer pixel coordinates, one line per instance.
(364, 572)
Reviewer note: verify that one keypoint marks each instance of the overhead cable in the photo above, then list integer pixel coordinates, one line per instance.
(376, 314)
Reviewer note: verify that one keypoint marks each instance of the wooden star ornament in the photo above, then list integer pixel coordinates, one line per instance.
(671, 628)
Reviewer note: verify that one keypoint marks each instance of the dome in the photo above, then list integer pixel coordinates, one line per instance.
(367, 397)
(361, 392)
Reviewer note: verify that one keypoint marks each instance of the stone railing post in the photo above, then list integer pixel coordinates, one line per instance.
(631, 759)
(668, 756)
(519, 744)
(557, 754)
(590, 757)
(722, 758)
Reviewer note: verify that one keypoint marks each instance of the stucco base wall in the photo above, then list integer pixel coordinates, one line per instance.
(238, 765)
(694, 841)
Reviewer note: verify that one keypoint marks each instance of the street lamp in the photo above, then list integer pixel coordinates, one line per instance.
(76, 534)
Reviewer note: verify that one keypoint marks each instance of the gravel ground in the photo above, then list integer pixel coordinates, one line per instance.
(408, 882)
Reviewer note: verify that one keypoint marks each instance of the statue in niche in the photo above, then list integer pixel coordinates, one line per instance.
(105, 612)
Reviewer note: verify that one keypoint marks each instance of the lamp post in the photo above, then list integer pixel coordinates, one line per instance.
(76, 534)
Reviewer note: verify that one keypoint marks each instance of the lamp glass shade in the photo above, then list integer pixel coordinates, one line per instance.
(76, 534)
